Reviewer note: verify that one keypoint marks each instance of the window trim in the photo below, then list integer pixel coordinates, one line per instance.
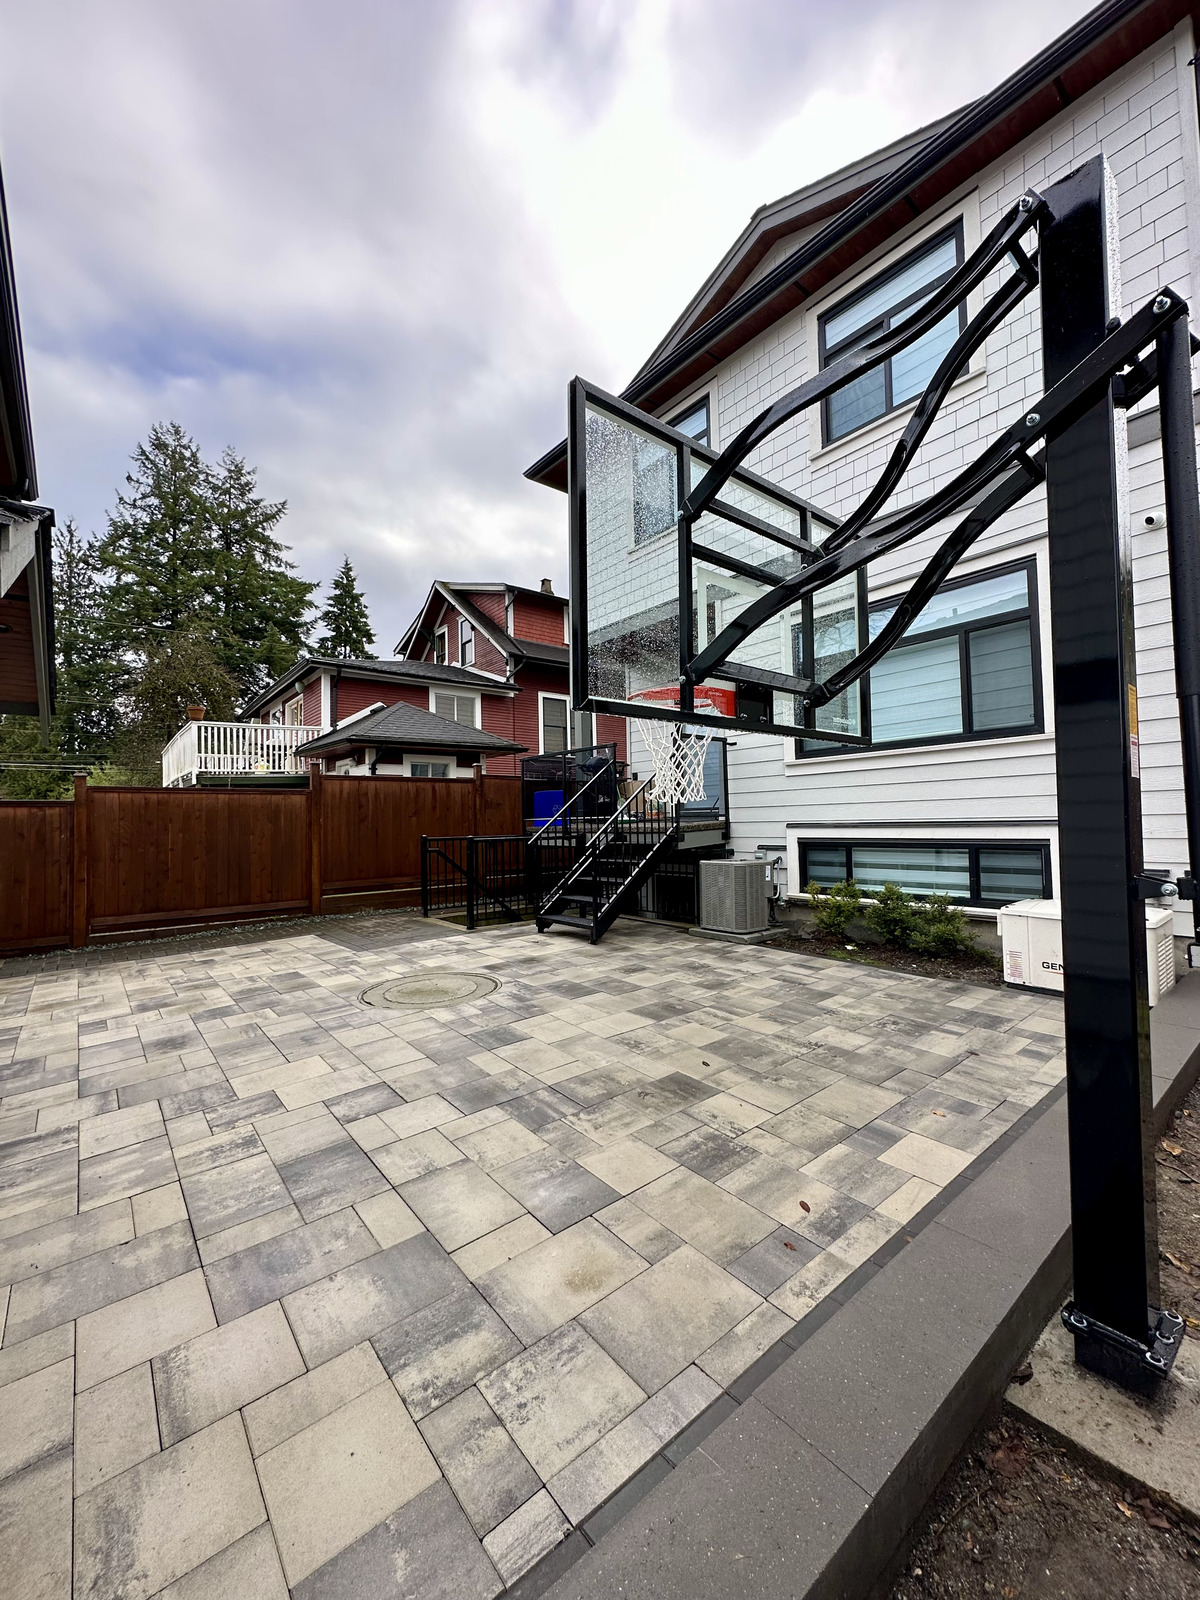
(970, 735)
(971, 846)
(953, 230)
(543, 696)
(466, 636)
(701, 401)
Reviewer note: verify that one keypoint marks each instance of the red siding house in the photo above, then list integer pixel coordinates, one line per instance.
(519, 637)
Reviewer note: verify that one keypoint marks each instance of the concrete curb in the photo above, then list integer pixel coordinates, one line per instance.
(805, 1480)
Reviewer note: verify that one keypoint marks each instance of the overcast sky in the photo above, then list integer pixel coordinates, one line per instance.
(367, 242)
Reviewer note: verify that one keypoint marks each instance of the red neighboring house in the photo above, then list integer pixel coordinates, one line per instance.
(518, 637)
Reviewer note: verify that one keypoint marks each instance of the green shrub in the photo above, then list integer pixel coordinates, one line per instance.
(939, 928)
(891, 917)
(835, 906)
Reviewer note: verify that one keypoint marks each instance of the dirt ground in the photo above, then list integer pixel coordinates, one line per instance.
(1020, 1518)
(975, 967)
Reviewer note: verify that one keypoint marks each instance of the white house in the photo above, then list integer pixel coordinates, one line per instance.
(957, 792)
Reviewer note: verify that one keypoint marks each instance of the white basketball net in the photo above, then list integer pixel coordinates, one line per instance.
(678, 752)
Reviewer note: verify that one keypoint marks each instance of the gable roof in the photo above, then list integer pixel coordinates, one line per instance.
(408, 726)
(410, 672)
(1100, 43)
(457, 595)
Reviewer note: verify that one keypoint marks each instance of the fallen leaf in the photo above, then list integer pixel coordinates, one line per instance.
(704, 1063)
(804, 1206)
(1121, 1506)
(1023, 1374)
(1009, 1592)
(788, 1245)
(939, 1113)
(1175, 1261)
(1171, 1149)
(1008, 1461)
(1192, 1322)
(1157, 1520)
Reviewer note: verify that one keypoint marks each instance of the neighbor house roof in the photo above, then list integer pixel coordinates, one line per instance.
(719, 321)
(458, 596)
(411, 728)
(412, 672)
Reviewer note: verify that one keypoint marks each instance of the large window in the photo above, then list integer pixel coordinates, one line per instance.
(888, 300)
(978, 874)
(456, 708)
(967, 667)
(554, 724)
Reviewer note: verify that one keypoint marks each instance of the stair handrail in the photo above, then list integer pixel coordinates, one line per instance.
(609, 769)
(597, 842)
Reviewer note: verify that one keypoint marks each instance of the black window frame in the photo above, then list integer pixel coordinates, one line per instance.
(969, 734)
(702, 404)
(971, 846)
(894, 313)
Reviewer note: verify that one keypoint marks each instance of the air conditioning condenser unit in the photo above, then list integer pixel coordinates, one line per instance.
(733, 896)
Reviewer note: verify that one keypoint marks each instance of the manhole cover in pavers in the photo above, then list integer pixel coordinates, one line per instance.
(423, 990)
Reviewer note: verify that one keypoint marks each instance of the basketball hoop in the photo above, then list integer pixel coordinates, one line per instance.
(678, 749)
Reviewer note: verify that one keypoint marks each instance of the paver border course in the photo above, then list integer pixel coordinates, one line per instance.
(816, 1463)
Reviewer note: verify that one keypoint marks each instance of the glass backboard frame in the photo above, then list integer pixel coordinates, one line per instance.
(766, 698)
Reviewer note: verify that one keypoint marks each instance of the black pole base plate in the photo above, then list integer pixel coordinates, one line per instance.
(1134, 1364)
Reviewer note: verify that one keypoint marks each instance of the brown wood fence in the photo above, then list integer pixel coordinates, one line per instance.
(120, 861)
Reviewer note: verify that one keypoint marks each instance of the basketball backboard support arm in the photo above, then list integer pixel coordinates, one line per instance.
(1073, 439)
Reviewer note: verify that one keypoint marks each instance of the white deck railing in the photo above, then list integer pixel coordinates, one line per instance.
(234, 749)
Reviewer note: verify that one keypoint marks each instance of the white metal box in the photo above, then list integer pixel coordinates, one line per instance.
(1031, 932)
(733, 896)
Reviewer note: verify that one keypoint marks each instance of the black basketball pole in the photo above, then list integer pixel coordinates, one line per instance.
(1118, 1328)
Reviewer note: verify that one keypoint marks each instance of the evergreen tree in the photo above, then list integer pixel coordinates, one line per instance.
(21, 740)
(262, 604)
(158, 552)
(191, 545)
(182, 669)
(90, 677)
(345, 620)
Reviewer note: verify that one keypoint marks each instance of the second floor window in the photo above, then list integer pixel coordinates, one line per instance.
(439, 647)
(887, 301)
(456, 708)
(466, 643)
(554, 725)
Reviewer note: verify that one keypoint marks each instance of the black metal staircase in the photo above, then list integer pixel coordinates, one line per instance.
(598, 864)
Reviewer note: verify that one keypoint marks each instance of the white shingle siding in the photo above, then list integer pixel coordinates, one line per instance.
(1143, 119)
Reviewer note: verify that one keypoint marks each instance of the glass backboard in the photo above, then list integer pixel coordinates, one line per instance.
(636, 571)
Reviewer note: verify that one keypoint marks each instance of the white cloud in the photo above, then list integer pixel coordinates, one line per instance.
(367, 245)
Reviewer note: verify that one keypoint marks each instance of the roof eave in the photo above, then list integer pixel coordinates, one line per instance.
(1067, 68)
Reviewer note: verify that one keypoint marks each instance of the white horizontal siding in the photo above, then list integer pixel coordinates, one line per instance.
(1144, 120)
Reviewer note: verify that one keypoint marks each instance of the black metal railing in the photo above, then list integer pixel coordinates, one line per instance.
(552, 782)
(615, 859)
(485, 875)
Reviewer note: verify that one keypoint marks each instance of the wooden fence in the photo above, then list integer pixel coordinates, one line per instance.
(115, 862)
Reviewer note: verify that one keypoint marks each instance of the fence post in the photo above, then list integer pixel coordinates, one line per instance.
(471, 863)
(79, 887)
(315, 808)
(424, 874)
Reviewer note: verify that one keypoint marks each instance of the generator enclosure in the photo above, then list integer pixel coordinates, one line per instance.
(1031, 932)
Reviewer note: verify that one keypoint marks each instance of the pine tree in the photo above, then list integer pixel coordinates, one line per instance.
(262, 604)
(90, 677)
(182, 669)
(345, 620)
(158, 552)
(191, 545)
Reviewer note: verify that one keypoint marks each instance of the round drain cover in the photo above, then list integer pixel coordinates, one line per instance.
(422, 991)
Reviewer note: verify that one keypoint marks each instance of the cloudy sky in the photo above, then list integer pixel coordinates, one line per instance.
(366, 242)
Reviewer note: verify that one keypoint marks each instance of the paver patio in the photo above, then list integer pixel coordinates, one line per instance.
(309, 1295)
